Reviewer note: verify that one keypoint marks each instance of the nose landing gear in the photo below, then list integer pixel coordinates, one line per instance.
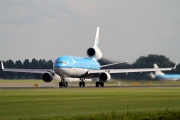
(82, 83)
(63, 83)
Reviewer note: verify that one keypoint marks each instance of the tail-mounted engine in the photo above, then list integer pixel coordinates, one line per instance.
(47, 77)
(105, 76)
(94, 52)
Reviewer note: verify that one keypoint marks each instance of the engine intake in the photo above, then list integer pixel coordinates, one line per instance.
(47, 77)
(94, 52)
(105, 76)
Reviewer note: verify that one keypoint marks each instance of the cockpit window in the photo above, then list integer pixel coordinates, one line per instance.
(61, 62)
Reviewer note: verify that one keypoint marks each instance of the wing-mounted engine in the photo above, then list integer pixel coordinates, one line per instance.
(94, 52)
(105, 76)
(47, 77)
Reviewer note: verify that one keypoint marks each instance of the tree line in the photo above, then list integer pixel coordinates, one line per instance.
(141, 62)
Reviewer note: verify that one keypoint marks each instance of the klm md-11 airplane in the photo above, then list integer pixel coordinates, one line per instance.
(82, 68)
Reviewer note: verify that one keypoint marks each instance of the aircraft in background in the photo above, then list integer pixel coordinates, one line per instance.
(162, 76)
(82, 68)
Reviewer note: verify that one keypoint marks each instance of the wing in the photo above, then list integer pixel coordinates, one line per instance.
(129, 70)
(132, 70)
(26, 70)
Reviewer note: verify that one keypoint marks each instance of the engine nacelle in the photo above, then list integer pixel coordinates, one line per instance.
(47, 77)
(105, 76)
(94, 52)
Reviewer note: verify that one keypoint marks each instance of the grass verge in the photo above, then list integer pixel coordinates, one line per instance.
(86, 102)
(151, 115)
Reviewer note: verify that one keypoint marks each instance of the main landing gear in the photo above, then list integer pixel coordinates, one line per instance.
(63, 83)
(99, 84)
(82, 83)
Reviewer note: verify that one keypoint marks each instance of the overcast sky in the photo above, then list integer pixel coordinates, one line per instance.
(47, 29)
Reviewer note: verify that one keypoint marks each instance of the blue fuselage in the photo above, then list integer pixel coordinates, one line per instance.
(169, 77)
(74, 66)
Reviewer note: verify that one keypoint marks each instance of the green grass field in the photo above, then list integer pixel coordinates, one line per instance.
(69, 102)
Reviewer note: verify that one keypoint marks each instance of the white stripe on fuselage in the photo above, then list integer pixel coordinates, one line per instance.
(71, 72)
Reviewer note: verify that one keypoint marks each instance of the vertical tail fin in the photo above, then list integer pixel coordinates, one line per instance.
(95, 52)
(157, 73)
(96, 42)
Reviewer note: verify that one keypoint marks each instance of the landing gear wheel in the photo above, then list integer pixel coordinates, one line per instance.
(65, 84)
(101, 84)
(97, 84)
(82, 84)
(79, 84)
(60, 84)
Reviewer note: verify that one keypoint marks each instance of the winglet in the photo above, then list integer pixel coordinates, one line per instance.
(175, 65)
(2, 65)
(96, 38)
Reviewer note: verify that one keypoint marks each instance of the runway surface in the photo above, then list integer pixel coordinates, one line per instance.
(17, 88)
(39, 84)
